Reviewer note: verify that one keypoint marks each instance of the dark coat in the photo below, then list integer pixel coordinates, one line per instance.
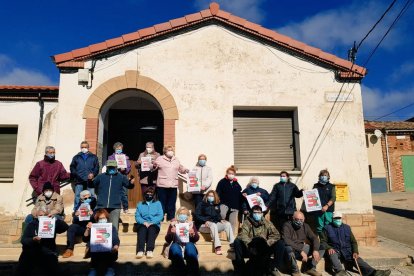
(115, 238)
(230, 193)
(83, 223)
(296, 238)
(249, 191)
(80, 168)
(326, 192)
(109, 189)
(282, 198)
(206, 211)
(341, 239)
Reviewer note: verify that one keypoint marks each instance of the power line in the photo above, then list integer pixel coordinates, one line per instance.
(395, 111)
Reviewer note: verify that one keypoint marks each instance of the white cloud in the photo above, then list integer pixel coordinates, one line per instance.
(378, 103)
(12, 74)
(341, 27)
(249, 9)
(402, 71)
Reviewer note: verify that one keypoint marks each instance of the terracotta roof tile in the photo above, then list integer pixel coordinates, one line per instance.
(178, 22)
(312, 50)
(206, 13)
(147, 32)
(389, 125)
(214, 8)
(297, 44)
(114, 42)
(343, 62)
(252, 26)
(63, 57)
(223, 14)
(72, 64)
(131, 37)
(162, 27)
(266, 32)
(29, 87)
(237, 20)
(97, 47)
(327, 56)
(281, 38)
(193, 17)
(81, 52)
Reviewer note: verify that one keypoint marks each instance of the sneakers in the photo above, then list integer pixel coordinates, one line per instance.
(110, 272)
(68, 253)
(139, 255)
(150, 255)
(313, 272)
(382, 272)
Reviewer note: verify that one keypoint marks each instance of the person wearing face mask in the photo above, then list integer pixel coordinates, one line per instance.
(208, 220)
(148, 216)
(110, 189)
(179, 251)
(327, 194)
(251, 189)
(77, 228)
(205, 178)
(299, 242)
(256, 241)
(167, 180)
(340, 244)
(229, 191)
(84, 168)
(102, 263)
(48, 170)
(148, 178)
(39, 252)
(282, 203)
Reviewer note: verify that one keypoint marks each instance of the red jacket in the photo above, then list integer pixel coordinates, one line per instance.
(44, 171)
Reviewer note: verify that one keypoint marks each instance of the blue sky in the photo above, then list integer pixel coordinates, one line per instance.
(32, 31)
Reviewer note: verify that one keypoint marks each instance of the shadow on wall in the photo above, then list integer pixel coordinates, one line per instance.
(395, 211)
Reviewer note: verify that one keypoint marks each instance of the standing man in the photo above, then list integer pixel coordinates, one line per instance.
(83, 169)
(48, 170)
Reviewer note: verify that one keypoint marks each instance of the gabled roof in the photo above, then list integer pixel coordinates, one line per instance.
(28, 93)
(370, 126)
(76, 58)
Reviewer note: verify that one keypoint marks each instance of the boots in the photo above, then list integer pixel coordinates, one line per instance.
(19, 240)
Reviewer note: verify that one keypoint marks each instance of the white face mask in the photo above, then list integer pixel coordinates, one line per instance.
(230, 176)
(149, 150)
(169, 153)
(102, 220)
(48, 194)
(84, 150)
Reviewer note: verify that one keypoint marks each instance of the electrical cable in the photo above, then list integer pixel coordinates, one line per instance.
(395, 111)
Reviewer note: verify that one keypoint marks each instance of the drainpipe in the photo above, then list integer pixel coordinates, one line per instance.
(42, 110)
(388, 162)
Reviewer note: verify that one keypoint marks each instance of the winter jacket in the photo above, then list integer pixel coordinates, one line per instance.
(341, 239)
(250, 191)
(327, 193)
(128, 168)
(207, 211)
(205, 177)
(83, 223)
(282, 198)
(172, 237)
(47, 170)
(230, 193)
(149, 177)
(52, 206)
(263, 228)
(150, 212)
(45, 246)
(168, 171)
(80, 167)
(109, 189)
(296, 238)
(115, 239)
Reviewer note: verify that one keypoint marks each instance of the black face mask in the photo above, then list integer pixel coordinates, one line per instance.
(148, 197)
(297, 224)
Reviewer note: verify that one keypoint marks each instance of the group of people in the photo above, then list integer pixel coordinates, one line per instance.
(270, 245)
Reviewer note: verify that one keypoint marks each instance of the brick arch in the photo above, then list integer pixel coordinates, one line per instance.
(131, 80)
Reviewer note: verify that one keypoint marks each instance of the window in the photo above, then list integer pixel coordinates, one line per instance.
(8, 139)
(264, 141)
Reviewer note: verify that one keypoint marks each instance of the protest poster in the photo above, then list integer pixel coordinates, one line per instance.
(84, 209)
(312, 200)
(121, 161)
(46, 228)
(145, 164)
(254, 199)
(183, 232)
(192, 182)
(101, 237)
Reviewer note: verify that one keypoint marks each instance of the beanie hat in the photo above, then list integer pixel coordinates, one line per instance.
(47, 186)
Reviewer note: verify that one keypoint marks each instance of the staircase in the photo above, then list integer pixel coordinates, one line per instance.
(210, 263)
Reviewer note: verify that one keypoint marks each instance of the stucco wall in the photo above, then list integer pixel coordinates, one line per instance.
(375, 157)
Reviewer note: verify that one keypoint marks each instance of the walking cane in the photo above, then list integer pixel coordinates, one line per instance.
(357, 265)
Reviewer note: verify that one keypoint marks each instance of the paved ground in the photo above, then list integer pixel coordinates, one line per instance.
(394, 213)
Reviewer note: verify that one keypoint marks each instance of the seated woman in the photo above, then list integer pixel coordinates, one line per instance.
(102, 263)
(253, 188)
(148, 216)
(208, 220)
(78, 227)
(179, 247)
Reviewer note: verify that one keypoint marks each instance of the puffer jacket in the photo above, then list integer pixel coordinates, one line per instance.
(80, 168)
(109, 189)
(262, 228)
(207, 211)
(52, 206)
(282, 198)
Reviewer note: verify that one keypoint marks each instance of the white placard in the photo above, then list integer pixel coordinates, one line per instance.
(121, 160)
(256, 200)
(192, 182)
(101, 237)
(312, 200)
(47, 227)
(84, 209)
(145, 164)
(182, 230)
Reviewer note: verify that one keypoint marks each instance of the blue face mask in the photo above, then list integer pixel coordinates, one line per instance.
(118, 151)
(323, 179)
(257, 216)
(210, 199)
(50, 156)
(254, 185)
(202, 163)
(88, 200)
(337, 222)
(182, 217)
(111, 171)
(283, 179)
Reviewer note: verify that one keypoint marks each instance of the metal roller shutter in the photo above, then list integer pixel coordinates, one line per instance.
(8, 139)
(263, 141)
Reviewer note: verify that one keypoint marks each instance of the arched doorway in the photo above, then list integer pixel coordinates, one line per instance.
(113, 111)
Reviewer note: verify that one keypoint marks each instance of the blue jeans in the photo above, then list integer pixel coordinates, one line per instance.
(177, 259)
(79, 187)
(168, 197)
